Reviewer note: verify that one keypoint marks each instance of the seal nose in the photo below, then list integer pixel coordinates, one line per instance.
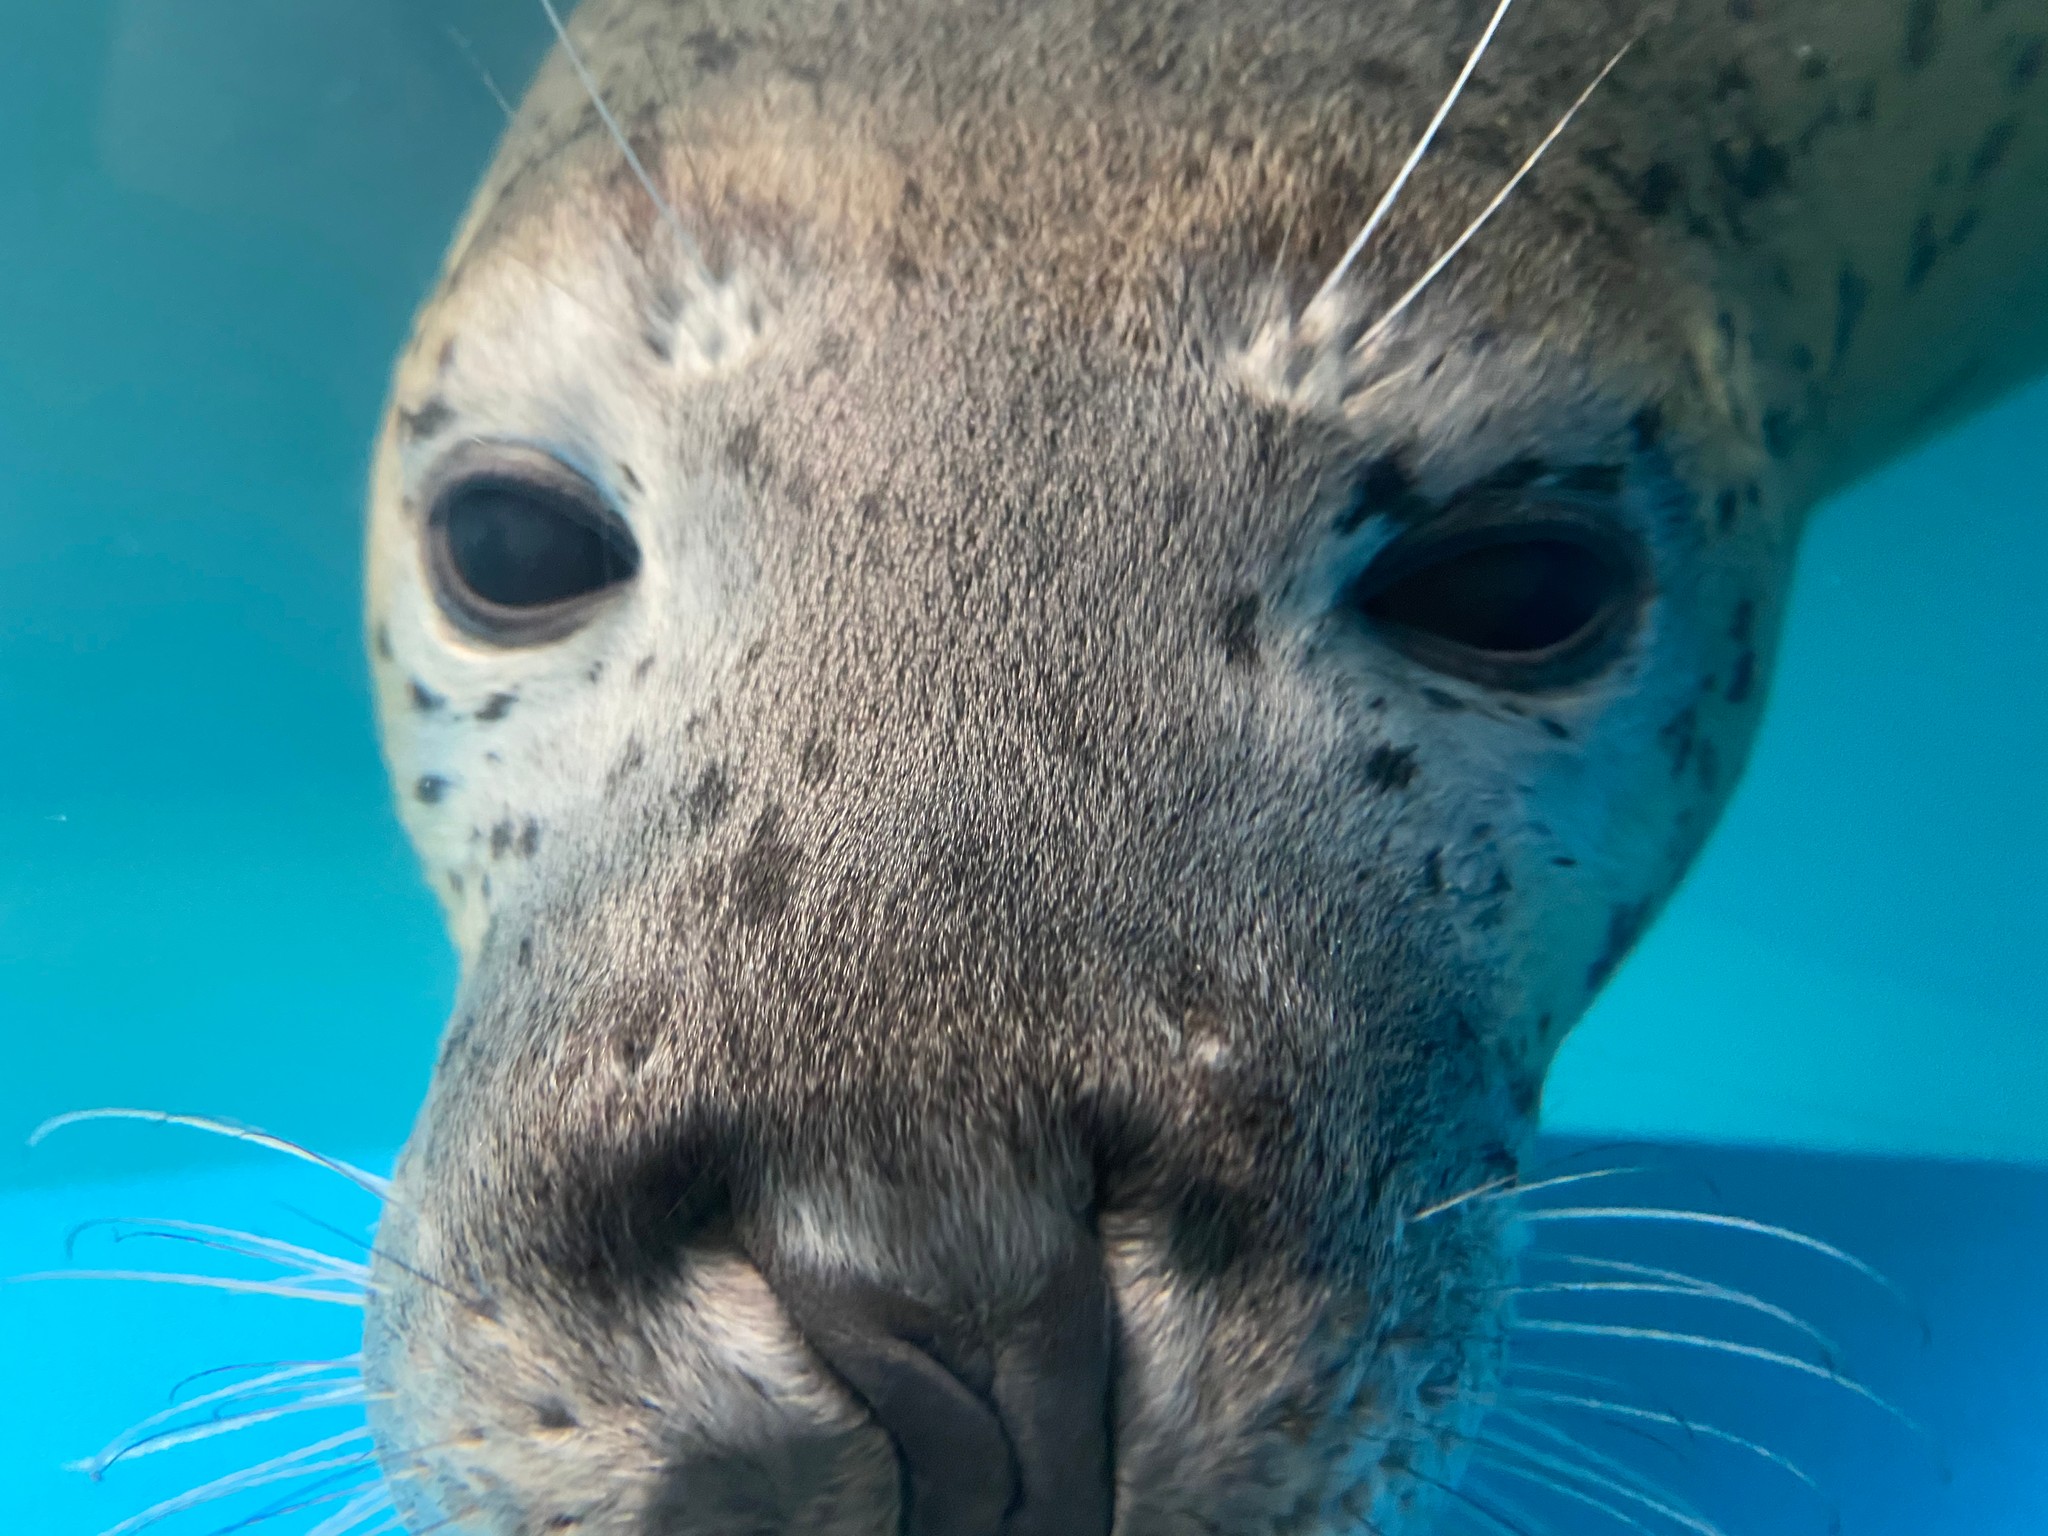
(1001, 1428)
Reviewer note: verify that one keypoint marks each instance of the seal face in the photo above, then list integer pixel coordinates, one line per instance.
(1026, 796)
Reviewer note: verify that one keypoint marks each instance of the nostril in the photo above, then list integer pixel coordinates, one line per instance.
(555, 1415)
(999, 1431)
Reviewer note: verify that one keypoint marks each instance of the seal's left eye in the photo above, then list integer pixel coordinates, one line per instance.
(522, 548)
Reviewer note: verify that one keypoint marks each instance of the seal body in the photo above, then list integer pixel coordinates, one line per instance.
(1020, 790)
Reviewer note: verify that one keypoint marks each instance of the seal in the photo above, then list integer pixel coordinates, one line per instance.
(1040, 665)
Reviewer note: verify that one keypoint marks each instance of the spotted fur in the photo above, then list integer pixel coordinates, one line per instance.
(983, 819)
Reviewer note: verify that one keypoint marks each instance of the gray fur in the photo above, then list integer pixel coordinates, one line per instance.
(979, 822)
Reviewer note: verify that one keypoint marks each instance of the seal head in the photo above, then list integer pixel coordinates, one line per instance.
(1020, 793)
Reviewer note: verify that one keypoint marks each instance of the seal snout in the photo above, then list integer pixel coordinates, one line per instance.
(1001, 1427)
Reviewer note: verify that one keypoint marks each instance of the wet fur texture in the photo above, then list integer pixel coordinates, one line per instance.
(983, 822)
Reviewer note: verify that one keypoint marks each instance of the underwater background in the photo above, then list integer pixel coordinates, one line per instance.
(215, 219)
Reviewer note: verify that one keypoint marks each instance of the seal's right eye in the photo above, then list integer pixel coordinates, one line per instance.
(521, 548)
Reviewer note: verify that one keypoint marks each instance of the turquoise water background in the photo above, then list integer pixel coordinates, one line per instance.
(215, 217)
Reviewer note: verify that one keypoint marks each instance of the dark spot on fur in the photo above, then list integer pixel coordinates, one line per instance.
(1624, 926)
(430, 789)
(553, 1413)
(501, 839)
(1724, 509)
(629, 480)
(763, 875)
(1677, 737)
(1383, 487)
(743, 449)
(1564, 861)
(1237, 631)
(529, 840)
(1433, 872)
(526, 954)
(1921, 252)
(455, 881)
(1733, 80)
(423, 423)
(1814, 66)
(709, 798)
(713, 52)
(1442, 700)
(1646, 427)
(1852, 294)
(424, 699)
(819, 760)
(2027, 67)
(1963, 227)
(1993, 147)
(660, 345)
(596, 672)
(1390, 767)
(1743, 679)
(1554, 728)
(630, 758)
(1742, 623)
(1755, 172)
(902, 272)
(1659, 189)
(642, 667)
(1709, 766)
(497, 706)
(1781, 432)
(384, 641)
(1923, 33)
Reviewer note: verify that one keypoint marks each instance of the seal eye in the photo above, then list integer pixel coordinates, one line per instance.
(1526, 604)
(521, 548)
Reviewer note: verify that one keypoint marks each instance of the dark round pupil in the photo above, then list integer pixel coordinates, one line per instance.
(1513, 597)
(518, 547)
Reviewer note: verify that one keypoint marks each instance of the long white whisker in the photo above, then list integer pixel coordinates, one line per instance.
(368, 1182)
(1598, 1461)
(1707, 1290)
(300, 1463)
(1393, 192)
(1728, 1223)
(1718, 1346)
(1395, 310)
(261, 1386)
(1505, 1188)
(1691, 1292)
(376, 1502)
(661, 203)
(1490, 1516)
(1597, 1405)
(278, 1288)
(229, 1424)
(248, 1245)
(1501, 1457)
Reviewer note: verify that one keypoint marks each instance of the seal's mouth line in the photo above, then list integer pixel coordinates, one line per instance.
(999, 1429)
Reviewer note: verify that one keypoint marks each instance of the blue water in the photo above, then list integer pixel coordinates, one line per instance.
(215, 216)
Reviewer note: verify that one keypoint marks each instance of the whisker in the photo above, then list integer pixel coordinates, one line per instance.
(1556, 1483)
(467, 1298)
(262, 1386)
(1393, 192)
(1394, 311)
(1505, 1187)
(376, 1502)
(611, 124)
(1719, 1346)
(341, 1362)
(368, 1182)
(1708, 1290)
(1714, 1219)
(228, 1424)
(248, 1245)
(490, 84)
(1597, 1405)
(337, 1485)
(1490, 1516)
(300, 1463)
(279, 1288)
(1593, 1460)
(1691, 1292)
